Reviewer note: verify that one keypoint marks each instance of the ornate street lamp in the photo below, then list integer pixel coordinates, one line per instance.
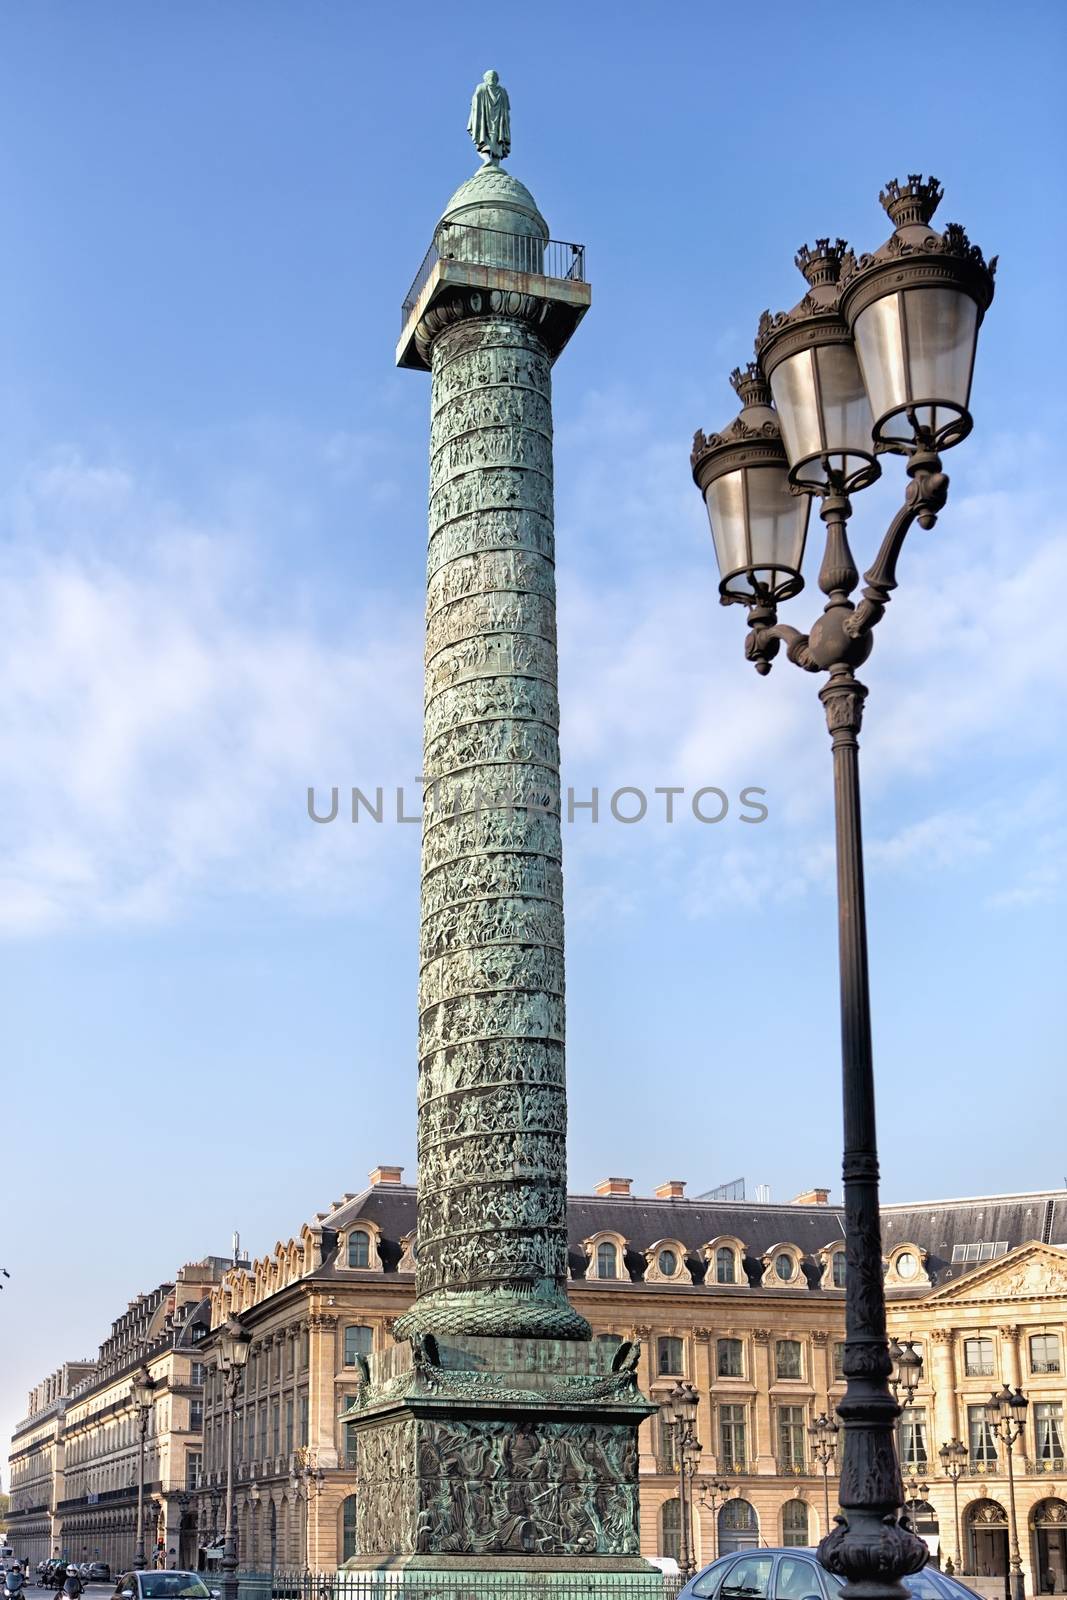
(683, 1401)
(907, 1366)
(306, 1478)
(712, 1496)
(253, 1500)
(1006, 1415)
(232, 1342)
(823, 1435)
(907, 318)
(142, 1392)
(953, 1460)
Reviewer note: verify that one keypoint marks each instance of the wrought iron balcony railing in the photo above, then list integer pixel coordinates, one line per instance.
(985, 1467)
(789, 1467)
(1034, 1468)
(491, 247)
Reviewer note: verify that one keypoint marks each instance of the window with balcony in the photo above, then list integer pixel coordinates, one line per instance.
(607, 1260)
(725, 1265)
(913, 1438)
(359, 1341)
(288, 1427)
(1048, 1432)
(669, 1357)
(981, 1439)
(275, 1428)
(732, 1440)
(196, 1416)
(303, 1419)
(792, 1431)
(1044, 1352)
(359, 1248)
(978, 1358)
(787, 1358)
(197, 1372)
(728, 1358)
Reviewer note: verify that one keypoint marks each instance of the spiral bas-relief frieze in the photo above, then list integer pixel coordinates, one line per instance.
(492, 1102)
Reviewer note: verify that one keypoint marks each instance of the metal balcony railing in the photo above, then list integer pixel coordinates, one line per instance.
(492, 247)
(789, 1467)
(1034, 1468)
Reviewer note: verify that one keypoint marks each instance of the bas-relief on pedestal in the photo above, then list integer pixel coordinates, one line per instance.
(496, 1437)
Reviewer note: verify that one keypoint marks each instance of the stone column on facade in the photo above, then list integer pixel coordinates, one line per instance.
(1011, 1372)
(762, 1448)
(946, 1421)
(496, 1429)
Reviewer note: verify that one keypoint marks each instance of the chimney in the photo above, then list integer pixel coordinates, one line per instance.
(673, 1189)
(386, 1175)
(812, 1197)
(613, 1186)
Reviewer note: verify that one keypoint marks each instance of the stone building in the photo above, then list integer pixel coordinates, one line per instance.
(744, 1300)
(36, 1464)
(96, 1501)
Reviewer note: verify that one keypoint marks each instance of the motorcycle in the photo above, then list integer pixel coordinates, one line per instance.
(13, 1582)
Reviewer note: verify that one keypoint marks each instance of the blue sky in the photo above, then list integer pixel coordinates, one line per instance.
(213, 482)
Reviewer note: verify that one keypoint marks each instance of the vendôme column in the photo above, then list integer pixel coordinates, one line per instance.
(495, 1439)
(492, 1236)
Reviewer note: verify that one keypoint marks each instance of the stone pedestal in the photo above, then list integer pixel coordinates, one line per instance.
(483, 1456)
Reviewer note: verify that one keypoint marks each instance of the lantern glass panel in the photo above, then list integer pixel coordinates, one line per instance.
(796, 401)
(916, 346)
(777, 520)
(824, 412)
(725, 500)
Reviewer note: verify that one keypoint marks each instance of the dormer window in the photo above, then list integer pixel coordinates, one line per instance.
(725, 1265)
(668, 1263)
(784, 1266)
(607, 1260)
(359, 1248)
(837, 1269)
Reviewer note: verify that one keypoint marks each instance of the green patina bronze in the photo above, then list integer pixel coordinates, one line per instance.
(496, 1437)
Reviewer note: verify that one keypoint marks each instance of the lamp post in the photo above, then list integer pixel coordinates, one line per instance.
(142, 1391)
(683, 1401)
(1007, 1420)
(907, 1366)
(305, 1476)
(232, 1343)
(876, 358)
(253, 1500)
(712, 1496)
(953, 1456)
(823, 1435)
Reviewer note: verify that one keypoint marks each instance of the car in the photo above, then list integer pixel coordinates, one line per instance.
(164, 1584)
(933, 1584)
(83, 1571)
(793, 1572)
(99, 1572)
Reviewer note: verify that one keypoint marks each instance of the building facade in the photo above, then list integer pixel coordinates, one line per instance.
(743, 1300)
(36, 1464)
(97, 1436)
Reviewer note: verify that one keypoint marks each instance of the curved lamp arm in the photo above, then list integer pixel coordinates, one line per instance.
(925, 497)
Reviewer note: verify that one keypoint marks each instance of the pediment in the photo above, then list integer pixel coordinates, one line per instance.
(1030, 1272)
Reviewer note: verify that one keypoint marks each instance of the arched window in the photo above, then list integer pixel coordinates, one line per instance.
(738, 1527)
(837, 1276)
(725, 1265)
(670, 1522)
(668, 1263)
(795, 1523)
(784, 1266)
(607, 1260)
(359, 1248)
(349, 1547)
(359, 1341)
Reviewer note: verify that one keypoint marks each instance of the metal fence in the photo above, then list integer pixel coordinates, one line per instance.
(492, 247)
(504, 1585)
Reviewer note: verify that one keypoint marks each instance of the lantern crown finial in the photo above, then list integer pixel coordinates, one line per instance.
(912, 202)
(823, 264)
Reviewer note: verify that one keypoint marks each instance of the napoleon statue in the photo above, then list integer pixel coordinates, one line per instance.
(490, 119)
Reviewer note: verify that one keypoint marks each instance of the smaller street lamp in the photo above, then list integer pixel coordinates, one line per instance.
(683, 1402)
(305, 1477)
(953, 1460)
(712, 1496)
(1006, 1415)
(142, 1392)
(823, 1435)
(233, 1341)
(907, 1371)
(253, 1500)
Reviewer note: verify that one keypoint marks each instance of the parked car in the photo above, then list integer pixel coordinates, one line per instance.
(164, 1584)
(99, 1572)
(794, 1573)
(83, 1571)
(932, 1584)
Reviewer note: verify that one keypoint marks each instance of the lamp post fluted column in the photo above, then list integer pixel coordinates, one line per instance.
(233, 1342)
(877, 357)
(1007, 1420)
(142, 1392)
(953, 1454)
